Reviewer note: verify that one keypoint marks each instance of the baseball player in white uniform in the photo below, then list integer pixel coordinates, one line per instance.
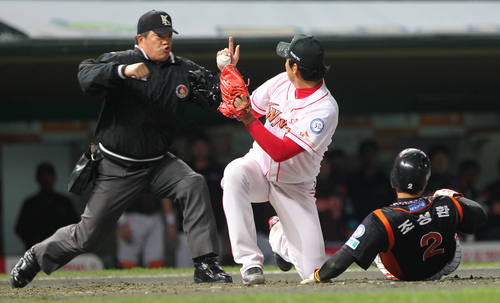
(300, 119)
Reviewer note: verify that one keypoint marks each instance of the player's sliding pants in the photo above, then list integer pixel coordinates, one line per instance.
(295, 204)
(115, 189)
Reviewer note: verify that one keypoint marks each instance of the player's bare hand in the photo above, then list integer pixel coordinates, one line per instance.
(309, 280)
(314, 278)
(138, 70)
(235, 52)
(240, 102)
(232, 52)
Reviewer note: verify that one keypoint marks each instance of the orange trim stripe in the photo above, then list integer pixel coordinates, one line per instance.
(392, 265)
(459, 207)
(388, 227)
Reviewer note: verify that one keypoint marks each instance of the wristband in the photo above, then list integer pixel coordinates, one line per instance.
(316, 276)
(121, 71)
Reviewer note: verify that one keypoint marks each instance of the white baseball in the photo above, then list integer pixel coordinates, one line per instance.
(223, 60)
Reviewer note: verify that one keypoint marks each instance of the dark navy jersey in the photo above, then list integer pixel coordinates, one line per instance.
(415, 241)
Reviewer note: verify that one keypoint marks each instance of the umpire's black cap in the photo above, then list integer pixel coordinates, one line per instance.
(305, 50)
(156, 21)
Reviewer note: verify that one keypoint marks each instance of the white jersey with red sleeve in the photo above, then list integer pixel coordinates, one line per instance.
(309, 122)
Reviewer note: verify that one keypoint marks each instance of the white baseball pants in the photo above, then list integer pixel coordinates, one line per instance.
(302, 240)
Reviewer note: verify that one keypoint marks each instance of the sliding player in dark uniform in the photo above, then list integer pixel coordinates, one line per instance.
(414, 238)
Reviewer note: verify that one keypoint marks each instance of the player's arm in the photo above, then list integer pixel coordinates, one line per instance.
(278, 149)
(333, 267)
(474, 215)
(369, 239)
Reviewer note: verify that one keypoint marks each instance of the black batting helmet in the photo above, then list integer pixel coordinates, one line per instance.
(411, 169)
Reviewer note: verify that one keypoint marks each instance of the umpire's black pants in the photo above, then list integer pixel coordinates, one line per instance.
(114, 189)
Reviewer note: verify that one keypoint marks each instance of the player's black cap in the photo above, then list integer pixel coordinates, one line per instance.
(156, 21)
(411, 170)
(305, 50)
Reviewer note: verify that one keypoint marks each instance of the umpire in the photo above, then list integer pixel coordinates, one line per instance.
(146, 89)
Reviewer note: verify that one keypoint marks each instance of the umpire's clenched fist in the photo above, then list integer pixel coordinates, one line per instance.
(138, 70)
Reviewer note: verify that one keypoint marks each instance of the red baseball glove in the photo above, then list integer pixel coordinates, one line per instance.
(232, 85)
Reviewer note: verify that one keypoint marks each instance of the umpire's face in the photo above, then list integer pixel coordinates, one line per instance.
(156, 46)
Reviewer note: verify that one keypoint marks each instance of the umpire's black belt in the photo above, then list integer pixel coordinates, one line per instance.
(129, 165)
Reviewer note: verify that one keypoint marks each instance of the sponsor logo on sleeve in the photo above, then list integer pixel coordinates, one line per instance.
(352, 243)
(305, 135)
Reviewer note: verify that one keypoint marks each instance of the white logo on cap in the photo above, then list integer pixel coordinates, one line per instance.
(164, 20)
(294, 56)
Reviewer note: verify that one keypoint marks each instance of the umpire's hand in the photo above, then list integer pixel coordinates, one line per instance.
(138, 70)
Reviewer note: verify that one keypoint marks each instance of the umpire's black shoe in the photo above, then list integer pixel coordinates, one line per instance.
(282, 264)
(25, 270)
(209, 271)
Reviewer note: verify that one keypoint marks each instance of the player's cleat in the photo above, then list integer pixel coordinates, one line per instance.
(253, 275)
(282, 264)
(273, 221)
(209, 271)
(25, 270)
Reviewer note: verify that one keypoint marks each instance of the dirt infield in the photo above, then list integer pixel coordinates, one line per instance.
(277, 282)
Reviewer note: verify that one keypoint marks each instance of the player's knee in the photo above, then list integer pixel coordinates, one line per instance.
(234, 170)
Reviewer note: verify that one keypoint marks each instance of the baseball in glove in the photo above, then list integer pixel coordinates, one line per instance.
(232, 86)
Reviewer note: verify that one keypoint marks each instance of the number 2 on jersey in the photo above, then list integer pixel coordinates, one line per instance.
(431, 250)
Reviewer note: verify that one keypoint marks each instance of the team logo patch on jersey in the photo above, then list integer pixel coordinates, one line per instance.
(359, 231)
(352, 243)
(317, 125)
(181, 91)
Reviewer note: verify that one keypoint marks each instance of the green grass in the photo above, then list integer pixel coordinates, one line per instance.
(480, 294)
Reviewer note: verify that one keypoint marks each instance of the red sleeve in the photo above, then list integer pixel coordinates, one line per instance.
(279, 150)
(256, 114)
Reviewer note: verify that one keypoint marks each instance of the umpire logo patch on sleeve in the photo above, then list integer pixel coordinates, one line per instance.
(352, 243)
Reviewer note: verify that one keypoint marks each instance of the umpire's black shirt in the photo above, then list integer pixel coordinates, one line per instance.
(139, 117)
